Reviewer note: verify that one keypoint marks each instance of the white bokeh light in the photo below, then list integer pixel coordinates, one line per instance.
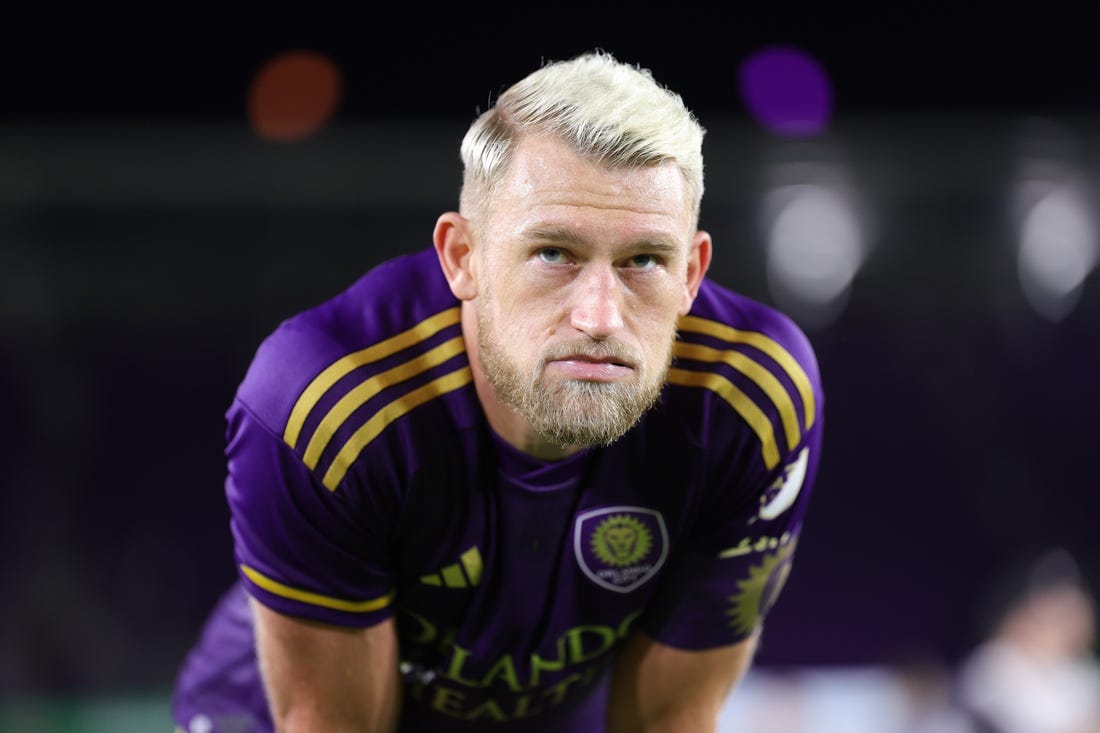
(1057, 249)
(816, 245)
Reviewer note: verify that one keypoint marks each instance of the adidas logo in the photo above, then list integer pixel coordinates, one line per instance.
(463, 574)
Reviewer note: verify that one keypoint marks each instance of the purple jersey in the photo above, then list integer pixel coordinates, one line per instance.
(364, 483)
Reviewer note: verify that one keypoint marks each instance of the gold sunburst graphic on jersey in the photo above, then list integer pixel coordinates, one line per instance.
(621, 540)
(756, 593)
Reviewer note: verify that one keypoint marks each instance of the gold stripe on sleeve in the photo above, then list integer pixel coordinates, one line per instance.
(371, 428)
(343, 366)
(758, 340)
(316, 599)
(356, 398)
(758, 374)
(740, 402)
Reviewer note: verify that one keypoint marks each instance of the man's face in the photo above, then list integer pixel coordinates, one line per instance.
(582, 273)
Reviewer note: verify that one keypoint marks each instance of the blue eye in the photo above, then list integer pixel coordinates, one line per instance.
(644, 262)
(551, 256)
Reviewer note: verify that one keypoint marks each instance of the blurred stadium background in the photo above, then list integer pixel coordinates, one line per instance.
(918, 192)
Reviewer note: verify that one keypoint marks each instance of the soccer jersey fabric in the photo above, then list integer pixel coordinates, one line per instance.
(364, 483)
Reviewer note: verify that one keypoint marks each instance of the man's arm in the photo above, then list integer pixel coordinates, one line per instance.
(328, 679)
(657, 688)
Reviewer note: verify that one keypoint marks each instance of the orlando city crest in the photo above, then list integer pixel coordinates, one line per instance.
(620, 547)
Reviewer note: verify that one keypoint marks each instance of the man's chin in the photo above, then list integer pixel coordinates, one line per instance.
(563, 387)
(574, 439)
(582, 426)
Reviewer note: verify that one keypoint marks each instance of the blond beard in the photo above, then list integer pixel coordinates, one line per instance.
(572, 413)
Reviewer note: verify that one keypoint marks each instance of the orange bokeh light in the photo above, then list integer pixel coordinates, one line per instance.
(293, 95)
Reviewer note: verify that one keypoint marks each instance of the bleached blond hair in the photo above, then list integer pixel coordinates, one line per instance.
(608, 111)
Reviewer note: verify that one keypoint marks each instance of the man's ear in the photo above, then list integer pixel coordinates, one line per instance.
(454, 246)
(699, 255)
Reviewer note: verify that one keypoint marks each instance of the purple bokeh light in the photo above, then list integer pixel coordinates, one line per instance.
(787, 91)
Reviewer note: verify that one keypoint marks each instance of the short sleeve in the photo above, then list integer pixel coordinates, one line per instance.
(731, 570)
(301, 548)
(762, 425)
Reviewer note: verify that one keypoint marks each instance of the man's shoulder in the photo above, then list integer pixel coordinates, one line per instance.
(395, 314)
(732, 317)
(736, 358)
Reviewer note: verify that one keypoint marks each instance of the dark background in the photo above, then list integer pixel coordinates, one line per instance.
(149, 240)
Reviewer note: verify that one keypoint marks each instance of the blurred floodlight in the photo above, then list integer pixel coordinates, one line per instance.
(293, 95)
(815, 248)
(1057, 250)
(787, 91)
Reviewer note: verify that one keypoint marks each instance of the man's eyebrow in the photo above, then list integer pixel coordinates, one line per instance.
(657, 246)
(560, 235)
(557, 235)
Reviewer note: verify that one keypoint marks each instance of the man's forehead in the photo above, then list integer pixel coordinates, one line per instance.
(544, 163)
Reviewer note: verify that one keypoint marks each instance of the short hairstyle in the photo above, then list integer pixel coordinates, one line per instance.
(608, 111)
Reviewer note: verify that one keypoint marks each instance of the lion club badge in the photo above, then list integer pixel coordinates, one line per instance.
(620, 547)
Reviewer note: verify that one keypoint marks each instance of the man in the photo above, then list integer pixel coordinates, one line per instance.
(1035, 670)
(544, 476)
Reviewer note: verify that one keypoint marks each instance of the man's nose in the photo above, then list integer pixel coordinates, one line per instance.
(598, 305)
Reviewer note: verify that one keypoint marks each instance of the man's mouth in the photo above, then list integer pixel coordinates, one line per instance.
(614, 361)
(591, 368)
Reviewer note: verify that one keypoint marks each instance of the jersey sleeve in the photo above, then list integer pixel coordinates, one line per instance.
(317, 468)
(761, 396)
(300, 548)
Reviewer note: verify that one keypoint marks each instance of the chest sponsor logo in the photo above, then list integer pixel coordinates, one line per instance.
(621, 547)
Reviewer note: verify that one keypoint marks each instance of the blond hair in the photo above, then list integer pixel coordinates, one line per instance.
(608, 111)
